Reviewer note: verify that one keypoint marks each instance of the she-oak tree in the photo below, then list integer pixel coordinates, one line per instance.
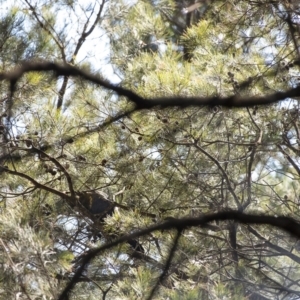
(197, 156)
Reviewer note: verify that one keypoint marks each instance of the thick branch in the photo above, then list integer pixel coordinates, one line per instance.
(287, 224)
(143, 103)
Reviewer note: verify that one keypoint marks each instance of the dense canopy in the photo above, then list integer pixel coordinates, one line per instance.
(150, 149)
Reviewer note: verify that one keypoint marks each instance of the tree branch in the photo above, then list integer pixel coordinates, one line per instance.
(145, 103)
(285, 223)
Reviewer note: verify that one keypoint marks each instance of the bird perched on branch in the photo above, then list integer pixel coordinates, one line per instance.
(99, 206)
(153, 47)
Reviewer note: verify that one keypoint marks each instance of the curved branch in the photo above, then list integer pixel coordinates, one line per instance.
(35, 183)
(146, 103)
(285, 223)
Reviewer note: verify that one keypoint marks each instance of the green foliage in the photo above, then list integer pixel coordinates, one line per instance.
(167, 163)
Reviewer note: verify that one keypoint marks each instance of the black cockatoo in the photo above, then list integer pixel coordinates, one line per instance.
(98, 204)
